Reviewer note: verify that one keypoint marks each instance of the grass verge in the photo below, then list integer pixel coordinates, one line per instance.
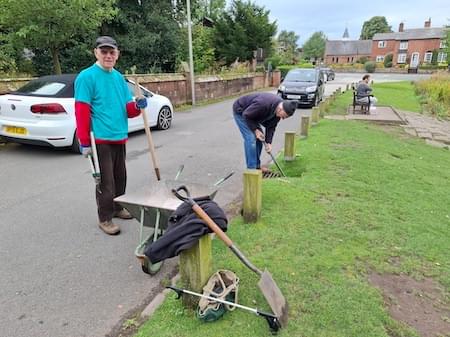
(358, 197)
(400, 95)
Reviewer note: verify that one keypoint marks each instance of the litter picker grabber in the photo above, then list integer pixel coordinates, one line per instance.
(266, 284)
(93, 161)
(138, 94)
(274, 160)
(272, 320)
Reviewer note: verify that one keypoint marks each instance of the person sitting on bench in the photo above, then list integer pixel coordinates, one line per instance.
(363, 93)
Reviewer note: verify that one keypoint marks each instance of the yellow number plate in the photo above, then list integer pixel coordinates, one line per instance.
(17, 130)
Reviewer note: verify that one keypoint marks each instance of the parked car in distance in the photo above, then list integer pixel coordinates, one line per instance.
(329, 73)
(305, 85)
(42, 112)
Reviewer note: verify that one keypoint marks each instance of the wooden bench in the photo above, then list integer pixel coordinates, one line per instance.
(363, 106)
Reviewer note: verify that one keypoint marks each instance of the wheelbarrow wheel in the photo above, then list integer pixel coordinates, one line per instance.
(151, 268)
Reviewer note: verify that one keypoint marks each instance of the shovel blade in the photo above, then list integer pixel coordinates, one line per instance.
(274, 297)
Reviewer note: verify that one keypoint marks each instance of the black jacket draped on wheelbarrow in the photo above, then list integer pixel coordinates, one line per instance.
(184, 230)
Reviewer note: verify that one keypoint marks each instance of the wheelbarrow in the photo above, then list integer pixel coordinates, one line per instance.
(152, 207)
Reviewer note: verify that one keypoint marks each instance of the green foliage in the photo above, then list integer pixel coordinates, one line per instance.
(314, 47)
(377, 24)
(362, 59)
(7, 61)
(202, 49)
(387, 62)
(243, 28)
(287, 47)
(436, 94)
(370, 66)
(275, 61)
(447, 43)
(148, 35)
(53, 25)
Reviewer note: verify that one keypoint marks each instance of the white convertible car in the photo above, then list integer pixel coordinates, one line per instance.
(42, 112)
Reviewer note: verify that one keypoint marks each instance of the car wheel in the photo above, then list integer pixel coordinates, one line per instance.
(75, 147)
(164, 118)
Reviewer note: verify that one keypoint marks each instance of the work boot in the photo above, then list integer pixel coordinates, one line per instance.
(109, 227)
(123, 214)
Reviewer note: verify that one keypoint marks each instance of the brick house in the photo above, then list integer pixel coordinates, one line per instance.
(347, 51)
(410, 46)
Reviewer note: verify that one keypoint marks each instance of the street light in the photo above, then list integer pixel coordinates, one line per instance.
(191, 57)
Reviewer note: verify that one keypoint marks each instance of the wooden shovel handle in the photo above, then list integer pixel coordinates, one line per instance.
(138, 94)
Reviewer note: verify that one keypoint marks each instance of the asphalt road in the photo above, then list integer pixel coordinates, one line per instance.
(60, 275)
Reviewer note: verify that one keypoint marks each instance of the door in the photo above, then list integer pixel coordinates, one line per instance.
(414, 60)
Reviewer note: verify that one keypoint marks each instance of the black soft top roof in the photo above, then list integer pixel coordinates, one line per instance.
(66, 92)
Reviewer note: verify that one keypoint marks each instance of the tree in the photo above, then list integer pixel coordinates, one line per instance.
(52, 25)
(377, 24)
(244, 28)
(287, 46)
(315, 46)
(147, 33)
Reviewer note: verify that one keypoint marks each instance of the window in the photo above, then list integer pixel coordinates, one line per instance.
(427, 57)
(403, 45)
(442, 45)
(380, 58)
(381, 44)
(442, 57)
(401, 58)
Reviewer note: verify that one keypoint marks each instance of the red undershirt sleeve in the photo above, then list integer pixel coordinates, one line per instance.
(83, 118)
(132, 110)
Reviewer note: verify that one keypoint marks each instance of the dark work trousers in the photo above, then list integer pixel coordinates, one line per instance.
(111, 158)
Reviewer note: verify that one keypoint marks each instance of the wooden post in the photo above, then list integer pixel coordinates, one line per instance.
(252, 195)
(346, 87)
(289, 146)
(322, 109)
(304, 126)
(315, 115)
(196, 269)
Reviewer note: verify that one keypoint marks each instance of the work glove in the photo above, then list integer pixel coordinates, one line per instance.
(86, 151)
(141, 103)
(268, 147)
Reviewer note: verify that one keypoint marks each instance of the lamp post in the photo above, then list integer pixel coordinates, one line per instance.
(191, 57)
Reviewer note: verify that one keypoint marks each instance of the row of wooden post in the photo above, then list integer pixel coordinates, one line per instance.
(196, 263)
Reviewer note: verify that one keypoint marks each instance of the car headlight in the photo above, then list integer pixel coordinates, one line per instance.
(281, 88)
(311, 89)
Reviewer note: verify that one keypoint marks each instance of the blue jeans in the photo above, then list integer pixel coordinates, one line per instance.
(252, 146)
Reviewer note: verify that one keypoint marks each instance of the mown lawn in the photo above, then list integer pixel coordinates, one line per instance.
(357, 197)
(400, 95)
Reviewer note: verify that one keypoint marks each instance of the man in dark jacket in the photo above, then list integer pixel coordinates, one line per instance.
(253, 111)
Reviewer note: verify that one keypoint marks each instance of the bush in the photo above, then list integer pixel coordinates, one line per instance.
(370, 66)
(435, 92)
(388, 61)
(274, 61)
(363, 60)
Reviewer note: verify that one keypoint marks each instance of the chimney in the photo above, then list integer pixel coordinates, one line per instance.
(400, 27)
(428, 23)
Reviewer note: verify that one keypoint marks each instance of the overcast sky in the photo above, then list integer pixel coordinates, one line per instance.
(332, 16)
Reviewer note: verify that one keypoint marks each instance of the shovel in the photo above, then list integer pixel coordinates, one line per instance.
(266, 283)
(151, 147)
(273, 158)
(272, 320)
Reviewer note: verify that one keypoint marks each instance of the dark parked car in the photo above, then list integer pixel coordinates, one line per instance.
(329, 73)
(304, 85)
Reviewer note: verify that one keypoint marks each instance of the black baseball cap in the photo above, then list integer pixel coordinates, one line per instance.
(105, 41)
